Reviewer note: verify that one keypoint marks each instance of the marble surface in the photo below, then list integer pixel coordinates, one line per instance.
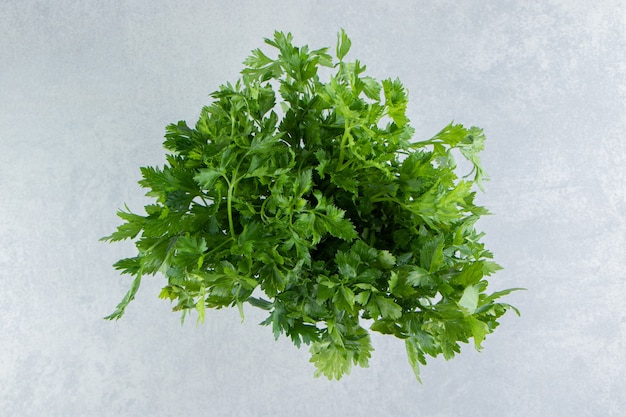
(86, 89)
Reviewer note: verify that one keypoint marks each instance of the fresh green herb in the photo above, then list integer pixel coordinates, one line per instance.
(309, 200)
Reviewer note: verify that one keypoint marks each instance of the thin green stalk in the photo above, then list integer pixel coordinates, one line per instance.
(229, 199)
(344, 139)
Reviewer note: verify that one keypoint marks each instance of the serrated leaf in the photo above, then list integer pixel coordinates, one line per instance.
(471, 274)
(362, 298)
(418, 276)
(200, 308)
(502, 293)
(260, 303)
(489, 267)
(343, 45)
(344, 299)
(336, 225)
(431, 254)
(399, 286)
(386, 259)
(388, 308)
(257, 59)
(371, 88)
(396, 101)
(130, 266)
(206, 177)
(130, 296)
(469, 300)
(330, 360)
(479, 331)
(303, 182)
(414, 355)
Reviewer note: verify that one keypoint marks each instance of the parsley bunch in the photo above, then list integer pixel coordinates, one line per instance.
(308, 199)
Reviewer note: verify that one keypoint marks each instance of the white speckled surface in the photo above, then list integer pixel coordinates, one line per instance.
(86, 89)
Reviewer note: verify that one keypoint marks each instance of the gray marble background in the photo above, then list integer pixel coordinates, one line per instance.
(86, 89)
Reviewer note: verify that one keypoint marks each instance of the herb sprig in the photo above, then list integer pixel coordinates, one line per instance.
(309, 200)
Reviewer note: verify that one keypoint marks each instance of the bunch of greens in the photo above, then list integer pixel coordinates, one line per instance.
(308, 199)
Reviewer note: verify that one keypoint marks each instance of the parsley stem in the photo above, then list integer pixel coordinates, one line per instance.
(344, 139)
(229, 205)
(232, 183)
(216, 248)
(383, 199)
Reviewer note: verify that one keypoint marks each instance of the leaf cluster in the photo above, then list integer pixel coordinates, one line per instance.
(308, 199)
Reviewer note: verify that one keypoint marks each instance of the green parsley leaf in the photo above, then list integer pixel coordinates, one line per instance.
(343, 45)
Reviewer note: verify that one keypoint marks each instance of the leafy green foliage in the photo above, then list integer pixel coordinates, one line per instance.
(307, 199)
